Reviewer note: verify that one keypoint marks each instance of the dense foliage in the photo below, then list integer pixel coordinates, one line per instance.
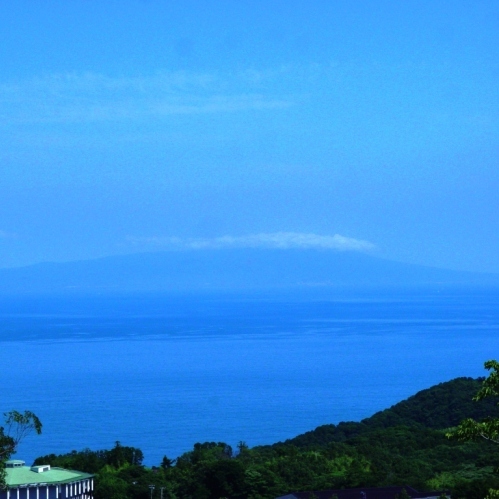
(488, 427)
(403, 445)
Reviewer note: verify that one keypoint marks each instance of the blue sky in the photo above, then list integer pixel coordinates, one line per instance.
(148, 125)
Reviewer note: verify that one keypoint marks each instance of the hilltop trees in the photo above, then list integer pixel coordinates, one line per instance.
(92, 461)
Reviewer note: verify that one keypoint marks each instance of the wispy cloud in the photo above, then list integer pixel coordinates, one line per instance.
(90, 97)
(273, 240)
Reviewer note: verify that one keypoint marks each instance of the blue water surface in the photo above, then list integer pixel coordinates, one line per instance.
(161, 372)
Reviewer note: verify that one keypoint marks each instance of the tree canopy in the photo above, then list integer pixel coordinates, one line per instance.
(488, 429)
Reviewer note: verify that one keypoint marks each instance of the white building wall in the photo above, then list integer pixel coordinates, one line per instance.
(81, 489)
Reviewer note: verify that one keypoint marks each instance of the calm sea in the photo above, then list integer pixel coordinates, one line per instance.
(161, 372)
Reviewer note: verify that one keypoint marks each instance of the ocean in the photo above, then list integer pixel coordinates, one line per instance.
(162, 372)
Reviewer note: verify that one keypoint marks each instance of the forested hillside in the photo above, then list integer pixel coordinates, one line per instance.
(439, 407)
(402, 445)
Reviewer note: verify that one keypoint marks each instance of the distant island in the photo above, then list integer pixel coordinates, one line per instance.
(235, 269)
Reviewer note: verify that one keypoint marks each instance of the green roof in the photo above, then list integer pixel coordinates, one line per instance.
(23, 476)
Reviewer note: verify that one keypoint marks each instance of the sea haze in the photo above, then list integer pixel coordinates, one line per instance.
(163, 371)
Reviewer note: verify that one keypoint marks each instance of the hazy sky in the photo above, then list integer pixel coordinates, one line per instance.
(143, 125)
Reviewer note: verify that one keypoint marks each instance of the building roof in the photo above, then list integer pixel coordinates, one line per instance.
(24, 475)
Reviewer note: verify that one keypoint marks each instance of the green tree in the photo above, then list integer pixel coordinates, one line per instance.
(120, 455)
(469, 429)
(167, 463)
(488, 429)
(18, 425)
(110, 486)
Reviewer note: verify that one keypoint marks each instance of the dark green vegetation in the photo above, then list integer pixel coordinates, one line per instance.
(403, 445)
(488, 428)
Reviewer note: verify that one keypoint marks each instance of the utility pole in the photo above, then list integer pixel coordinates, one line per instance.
(152, 487)
(161, 489)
